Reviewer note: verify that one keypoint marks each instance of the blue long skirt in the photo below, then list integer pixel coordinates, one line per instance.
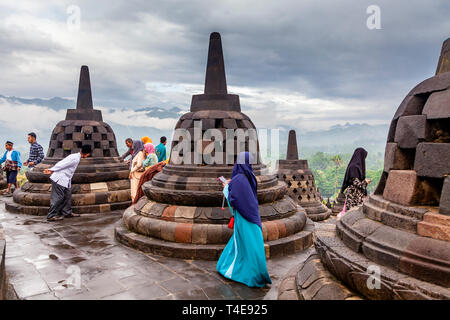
(244, 259)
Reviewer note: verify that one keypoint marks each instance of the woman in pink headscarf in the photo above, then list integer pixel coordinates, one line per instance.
(151, 166)
(151, 158)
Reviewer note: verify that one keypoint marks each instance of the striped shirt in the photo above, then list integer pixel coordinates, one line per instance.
(36, 153)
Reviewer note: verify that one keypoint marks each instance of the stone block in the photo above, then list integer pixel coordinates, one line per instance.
(411, 105)
(183, 233)
(168, 231)
(444, 203)
(87, 129)
(402, 186)
(438, 105)
(410, 131)
(229, 123)
(397, 159)
(77, 136)
(432, 160)
(199, 233)
(67, 145)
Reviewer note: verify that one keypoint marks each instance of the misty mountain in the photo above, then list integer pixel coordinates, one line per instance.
(337, 139)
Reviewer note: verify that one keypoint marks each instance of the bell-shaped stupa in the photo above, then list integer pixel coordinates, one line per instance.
(397, 245)
(300, 181)
(100, 183)
(181, 214)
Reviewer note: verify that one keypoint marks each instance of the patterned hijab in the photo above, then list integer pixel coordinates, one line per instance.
(138, 146)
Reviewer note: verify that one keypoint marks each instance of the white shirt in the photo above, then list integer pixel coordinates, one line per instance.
(63, 171)
(8, 155)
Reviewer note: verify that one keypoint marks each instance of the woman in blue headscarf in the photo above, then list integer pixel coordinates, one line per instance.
(243, 259)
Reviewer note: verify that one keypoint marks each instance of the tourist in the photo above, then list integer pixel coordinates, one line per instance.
(146, 140)
(129, 144)
(137, 169)
(161, 149)
(12, 166)
(61, 179)
(151, 158)
(243, 259)
(36, 152)
(355, 183)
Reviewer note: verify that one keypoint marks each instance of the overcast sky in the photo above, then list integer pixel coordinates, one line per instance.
(302, 64)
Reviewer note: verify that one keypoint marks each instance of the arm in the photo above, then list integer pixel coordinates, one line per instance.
(19, 162)
(3, 158)
(126, 154)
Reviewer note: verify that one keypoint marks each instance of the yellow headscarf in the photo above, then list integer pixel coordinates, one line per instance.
(146, 140)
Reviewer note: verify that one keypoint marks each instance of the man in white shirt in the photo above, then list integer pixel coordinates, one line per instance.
(61, 178)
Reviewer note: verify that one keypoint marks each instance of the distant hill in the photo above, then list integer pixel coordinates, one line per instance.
(337, 139)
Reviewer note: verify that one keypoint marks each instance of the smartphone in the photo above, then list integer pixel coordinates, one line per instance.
(222, 179)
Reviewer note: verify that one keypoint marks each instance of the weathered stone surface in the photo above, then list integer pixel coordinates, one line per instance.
(396, 158)
(402, 186)
(432, 160)
(444, 203)
(438, 105)
(410, 131)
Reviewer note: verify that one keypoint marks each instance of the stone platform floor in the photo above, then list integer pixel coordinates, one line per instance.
(44, 259)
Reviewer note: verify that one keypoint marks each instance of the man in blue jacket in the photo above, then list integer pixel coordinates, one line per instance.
(12, 165)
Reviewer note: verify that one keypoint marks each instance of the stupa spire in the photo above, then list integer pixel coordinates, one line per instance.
(215, 96)
(292, 151)
(215, 80)
(444, 59)
(84, 100)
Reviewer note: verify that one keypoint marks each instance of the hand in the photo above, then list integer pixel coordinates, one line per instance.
(25, 163)
(47, 171)
(224, 184)
(129, 176)
(31, 163)
(368, 181)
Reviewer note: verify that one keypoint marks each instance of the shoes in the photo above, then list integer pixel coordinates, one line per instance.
(72, 215)
(56, 218)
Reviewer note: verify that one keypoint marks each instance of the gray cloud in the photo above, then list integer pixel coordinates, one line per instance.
(279, 48)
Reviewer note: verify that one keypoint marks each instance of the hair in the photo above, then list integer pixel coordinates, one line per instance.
(85, 149)
(129, 140)
(9, 143)
(163, 139)
(32, 134)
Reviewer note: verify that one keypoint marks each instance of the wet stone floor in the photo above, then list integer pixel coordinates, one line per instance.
(79, 258)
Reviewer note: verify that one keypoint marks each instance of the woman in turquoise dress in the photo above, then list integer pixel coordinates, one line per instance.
(243, 259)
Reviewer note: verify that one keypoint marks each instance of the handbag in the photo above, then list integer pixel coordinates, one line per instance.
(231, 223)
(343, 211)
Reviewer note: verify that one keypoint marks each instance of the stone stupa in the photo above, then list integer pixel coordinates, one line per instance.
(3, 183)
(100, 183)
(300, 181)
(401, 234)
(181, 214)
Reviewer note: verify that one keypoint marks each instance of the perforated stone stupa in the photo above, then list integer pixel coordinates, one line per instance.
(3, 183)
(300, 181)
(181, 215)
(100, 183)
(404, 227)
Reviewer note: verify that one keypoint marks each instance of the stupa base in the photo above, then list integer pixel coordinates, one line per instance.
(173, 231)
(14, 207)
(275, 248)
